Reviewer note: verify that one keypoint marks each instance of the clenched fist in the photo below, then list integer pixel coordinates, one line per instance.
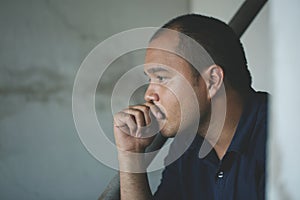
(136, 126)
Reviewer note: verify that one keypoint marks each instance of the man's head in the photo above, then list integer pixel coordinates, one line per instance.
(220, 41)
(169, 72)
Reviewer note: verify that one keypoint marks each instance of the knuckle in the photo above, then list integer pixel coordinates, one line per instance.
(139, 115)
(145, 108)
(127, 117)
(116, 116)
(151, 105)
(135, 112)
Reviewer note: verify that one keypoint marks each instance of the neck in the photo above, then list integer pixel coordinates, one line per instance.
(221, 124)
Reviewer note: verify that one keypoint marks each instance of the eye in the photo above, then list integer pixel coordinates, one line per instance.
(157, 79)
(160, 78)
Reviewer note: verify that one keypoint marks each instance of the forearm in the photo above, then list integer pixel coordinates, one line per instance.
(134, 183)
(135, 186)
(134, 131)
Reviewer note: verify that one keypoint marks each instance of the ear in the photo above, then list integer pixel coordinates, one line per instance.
(213, 77)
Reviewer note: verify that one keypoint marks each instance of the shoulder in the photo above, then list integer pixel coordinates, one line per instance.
(260, 125)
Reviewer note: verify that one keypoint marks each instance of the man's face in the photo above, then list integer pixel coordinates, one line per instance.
(173, 86)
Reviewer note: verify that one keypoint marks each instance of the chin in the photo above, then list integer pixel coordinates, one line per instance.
(166, 135)
(168, 132)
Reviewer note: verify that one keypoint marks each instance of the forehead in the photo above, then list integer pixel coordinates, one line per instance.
(162, 51)
(156, 58)
(166, 39)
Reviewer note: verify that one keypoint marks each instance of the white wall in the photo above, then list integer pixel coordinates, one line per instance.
(42, 43)
(284, 148)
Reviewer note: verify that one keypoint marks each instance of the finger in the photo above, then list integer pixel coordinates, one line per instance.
(146, 112)
(155, 110)
(125, 122)
(137, 115)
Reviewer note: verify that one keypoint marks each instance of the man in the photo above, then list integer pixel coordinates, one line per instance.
(234, 165)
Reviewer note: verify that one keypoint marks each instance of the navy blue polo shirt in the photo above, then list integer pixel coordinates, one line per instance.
(239, 175)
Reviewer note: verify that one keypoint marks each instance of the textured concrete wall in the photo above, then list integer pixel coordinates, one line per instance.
(42, 43)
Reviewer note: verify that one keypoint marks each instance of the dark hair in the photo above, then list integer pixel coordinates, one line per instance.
(222, 44)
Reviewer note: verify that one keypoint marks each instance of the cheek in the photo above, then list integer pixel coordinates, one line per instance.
(189, 103)
(169, 102)
(178, 98)
(204, 101)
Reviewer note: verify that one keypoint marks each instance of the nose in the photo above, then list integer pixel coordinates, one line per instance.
(150, 94)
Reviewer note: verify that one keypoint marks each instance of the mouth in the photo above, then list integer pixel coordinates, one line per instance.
(161, 112)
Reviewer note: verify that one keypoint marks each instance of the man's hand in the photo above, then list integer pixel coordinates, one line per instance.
(136, 126)
(134, 130)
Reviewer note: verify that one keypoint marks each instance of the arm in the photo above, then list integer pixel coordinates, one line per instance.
(135, 186)
(132, 138)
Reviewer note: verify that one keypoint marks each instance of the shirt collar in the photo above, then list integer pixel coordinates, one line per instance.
(240, 142)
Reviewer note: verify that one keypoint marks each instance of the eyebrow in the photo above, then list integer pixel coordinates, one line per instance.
(156, 69)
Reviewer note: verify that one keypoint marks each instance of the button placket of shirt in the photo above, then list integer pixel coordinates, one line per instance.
(219, 184)
(225, 165)
(220, 181)
(221, 174)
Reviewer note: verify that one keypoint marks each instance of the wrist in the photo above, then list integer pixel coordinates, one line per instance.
(132, 162)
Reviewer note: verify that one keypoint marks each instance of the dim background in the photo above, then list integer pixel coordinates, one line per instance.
(42, 44)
